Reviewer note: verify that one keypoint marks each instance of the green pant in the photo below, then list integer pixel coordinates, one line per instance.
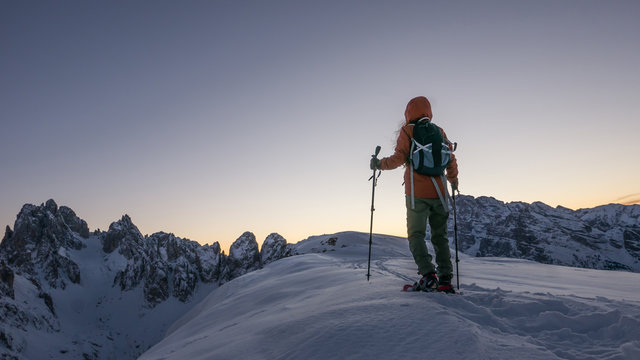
(432, 210)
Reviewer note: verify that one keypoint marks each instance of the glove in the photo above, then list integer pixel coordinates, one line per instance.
(374, 164)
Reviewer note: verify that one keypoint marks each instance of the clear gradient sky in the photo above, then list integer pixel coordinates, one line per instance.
(211, 118)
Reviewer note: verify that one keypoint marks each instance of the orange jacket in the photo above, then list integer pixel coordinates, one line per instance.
(423, 186)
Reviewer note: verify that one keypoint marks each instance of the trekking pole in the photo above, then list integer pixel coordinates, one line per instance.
(455, 234)
(373, 194)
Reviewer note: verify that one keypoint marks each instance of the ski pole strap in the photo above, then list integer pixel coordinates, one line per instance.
(375, 177)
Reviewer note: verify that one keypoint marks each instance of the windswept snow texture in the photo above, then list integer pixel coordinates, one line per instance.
(319, 306)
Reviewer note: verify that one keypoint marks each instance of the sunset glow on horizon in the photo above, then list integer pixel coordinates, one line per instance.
(208, 119)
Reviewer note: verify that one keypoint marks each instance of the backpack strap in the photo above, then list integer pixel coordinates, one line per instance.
(424, 118)
(413, 202)
(419, 146)
(443, 198)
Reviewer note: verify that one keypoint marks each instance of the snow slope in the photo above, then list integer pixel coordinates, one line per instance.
(319, 306)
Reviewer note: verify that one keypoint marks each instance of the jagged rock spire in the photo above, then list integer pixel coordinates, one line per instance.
(243, 257)
(274, 247)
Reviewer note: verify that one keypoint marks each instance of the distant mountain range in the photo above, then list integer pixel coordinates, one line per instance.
(66, 292)
(605, 237)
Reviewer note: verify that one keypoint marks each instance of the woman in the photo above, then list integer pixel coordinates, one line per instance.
(426, 199)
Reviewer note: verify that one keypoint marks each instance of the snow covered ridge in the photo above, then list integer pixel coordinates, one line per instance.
(605, 237)
(50, 263)
(319, 305)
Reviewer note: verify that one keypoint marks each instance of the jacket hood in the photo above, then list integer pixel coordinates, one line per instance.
(417, 108)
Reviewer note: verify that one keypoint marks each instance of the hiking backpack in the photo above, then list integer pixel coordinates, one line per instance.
(430, 153)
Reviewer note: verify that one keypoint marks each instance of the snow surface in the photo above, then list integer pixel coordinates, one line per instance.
(319, 305)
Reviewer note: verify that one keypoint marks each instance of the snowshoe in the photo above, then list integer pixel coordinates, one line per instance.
(446, 288)
(429, 282)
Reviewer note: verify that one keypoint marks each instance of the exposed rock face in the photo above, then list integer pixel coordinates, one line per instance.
(177, 258)
(210, 261)
(274, 247)
(74, 223)
(164, 264)
(124, 233)
(40, 240)
(45, 223)
(6, 280)
(605, 237)
(243, 257)
(168, 266)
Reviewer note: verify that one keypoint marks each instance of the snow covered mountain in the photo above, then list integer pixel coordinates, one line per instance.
(605, 237)
(66, 292)
(69, 293)
(319, 305)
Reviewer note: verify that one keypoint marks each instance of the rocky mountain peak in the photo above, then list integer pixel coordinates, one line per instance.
(125, 235)
(7, 232)
(244, 256)
(44, 223)
(38, 244)
(244, 245)
(51, 206)
(273, 248)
